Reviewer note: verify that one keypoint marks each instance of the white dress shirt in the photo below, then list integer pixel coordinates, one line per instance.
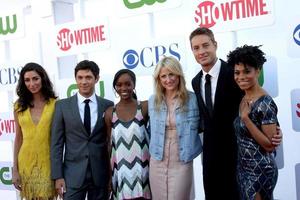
(93, 108)
(214, 73)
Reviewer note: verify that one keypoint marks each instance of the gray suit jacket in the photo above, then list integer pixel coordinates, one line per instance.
(72, 147)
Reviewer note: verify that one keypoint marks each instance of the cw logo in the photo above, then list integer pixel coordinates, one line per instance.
(72, 89)
(138, 4)
(8, 29)
(5, 175)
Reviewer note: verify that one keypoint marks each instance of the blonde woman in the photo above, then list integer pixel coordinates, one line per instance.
(175, 142)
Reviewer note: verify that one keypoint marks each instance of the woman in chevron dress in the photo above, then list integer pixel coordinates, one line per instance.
(129, 142)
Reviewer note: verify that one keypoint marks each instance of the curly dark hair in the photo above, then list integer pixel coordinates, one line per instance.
(25, 96)
(248, 55)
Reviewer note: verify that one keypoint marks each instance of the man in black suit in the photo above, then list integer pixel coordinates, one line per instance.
(218, 99)
(219, 145)
(79, 154)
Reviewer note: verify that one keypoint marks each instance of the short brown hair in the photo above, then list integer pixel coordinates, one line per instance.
(202, 31)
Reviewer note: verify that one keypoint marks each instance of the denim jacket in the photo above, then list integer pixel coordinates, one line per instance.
(187, 124)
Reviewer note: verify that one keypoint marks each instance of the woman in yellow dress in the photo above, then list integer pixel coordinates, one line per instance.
(33, 112)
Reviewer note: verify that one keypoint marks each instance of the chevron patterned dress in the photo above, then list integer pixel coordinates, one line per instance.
(130, 158)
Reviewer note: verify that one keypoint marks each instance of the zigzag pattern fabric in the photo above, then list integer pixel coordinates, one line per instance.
(130, 158)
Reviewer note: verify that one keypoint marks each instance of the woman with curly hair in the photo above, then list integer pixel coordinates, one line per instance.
(254, 127)
(33, 112)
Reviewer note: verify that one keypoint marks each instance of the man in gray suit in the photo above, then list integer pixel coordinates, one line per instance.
(79, 153)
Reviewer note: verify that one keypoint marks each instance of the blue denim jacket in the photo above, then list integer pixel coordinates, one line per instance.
(187, 125)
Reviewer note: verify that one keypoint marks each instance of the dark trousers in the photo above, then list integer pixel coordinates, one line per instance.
(88, 189)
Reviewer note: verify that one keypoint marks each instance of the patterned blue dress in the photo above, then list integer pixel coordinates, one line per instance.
(256, 170)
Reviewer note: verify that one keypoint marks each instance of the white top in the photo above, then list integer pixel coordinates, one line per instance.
(214, 73)
(93, 108)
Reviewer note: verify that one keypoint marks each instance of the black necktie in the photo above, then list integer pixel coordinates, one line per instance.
(87, 116)
(208, 100)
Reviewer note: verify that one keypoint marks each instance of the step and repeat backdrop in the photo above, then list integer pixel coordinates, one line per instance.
(134, 34)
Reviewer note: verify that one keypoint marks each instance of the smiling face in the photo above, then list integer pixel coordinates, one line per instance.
(33, 82)
(168, 79)
(204, 50)
(124, 86)
(86, 81)
(246, 76)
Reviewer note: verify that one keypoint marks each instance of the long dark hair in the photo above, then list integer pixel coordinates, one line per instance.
(132, 76)
(25, 96)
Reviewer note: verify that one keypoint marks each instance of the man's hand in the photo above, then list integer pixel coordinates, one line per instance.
(277, 139)
(60, 187)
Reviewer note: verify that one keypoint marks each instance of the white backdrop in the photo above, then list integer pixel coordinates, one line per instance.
(130, 33)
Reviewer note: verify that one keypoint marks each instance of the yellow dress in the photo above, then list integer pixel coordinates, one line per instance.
(34, 155)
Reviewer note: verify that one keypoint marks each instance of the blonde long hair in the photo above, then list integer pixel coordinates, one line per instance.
(173, 66)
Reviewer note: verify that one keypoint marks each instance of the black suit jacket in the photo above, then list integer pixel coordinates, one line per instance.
(72, 148)
(219, 146)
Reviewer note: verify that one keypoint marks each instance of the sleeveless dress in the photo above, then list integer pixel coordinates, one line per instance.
(130, 157)
(34, 155)
(257, 169)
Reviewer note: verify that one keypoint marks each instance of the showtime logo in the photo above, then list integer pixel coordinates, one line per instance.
(295, 103)
(298, 110)
(210, 13)
(7, 126)
(67, 38)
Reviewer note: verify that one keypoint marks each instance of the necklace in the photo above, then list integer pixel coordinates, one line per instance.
(249, 100)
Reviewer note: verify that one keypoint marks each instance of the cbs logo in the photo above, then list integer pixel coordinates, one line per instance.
(149, 56)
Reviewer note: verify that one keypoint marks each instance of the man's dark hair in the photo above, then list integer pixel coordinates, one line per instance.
(88, 65)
